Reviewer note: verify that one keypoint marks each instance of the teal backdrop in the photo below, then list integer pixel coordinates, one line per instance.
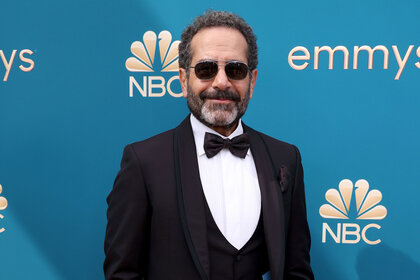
(66, 114)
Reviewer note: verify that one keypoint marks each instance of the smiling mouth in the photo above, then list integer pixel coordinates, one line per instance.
(221, 100)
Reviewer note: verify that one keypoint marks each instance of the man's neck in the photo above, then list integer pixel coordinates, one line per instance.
(224, 130)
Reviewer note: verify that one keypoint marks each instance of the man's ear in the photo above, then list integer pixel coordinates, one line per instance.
(183, 80)
(253, 81)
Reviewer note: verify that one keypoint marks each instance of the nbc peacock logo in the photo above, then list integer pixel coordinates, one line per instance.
(3, 205)
(341, 204)
(145, 61)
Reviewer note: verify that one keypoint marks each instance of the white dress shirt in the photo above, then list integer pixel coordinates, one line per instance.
(231, 188)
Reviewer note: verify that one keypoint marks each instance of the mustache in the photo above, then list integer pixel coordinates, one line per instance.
(220, 94)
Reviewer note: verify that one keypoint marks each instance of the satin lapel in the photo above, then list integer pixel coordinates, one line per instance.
(191, 197)
(272, 204)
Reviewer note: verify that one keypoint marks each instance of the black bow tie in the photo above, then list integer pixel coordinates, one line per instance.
(238, 145)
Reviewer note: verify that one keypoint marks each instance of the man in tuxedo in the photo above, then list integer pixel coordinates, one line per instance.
(211, 199)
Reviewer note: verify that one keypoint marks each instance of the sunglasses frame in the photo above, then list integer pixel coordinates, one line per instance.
(225, 64)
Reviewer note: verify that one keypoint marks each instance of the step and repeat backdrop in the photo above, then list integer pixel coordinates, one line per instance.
(81, 79)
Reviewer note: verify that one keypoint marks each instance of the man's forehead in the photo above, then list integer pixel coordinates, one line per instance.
(219, 41)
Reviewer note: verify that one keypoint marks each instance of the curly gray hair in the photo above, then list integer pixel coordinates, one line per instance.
(212, 19)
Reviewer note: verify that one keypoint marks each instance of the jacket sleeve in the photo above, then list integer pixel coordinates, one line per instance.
(127, 231)
(297, 262)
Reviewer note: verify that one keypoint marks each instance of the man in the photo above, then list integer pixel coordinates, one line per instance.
(188, 203)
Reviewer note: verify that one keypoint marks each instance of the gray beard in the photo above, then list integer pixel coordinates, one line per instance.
(217, 115)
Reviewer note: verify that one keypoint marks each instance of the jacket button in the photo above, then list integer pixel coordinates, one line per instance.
(238, 258)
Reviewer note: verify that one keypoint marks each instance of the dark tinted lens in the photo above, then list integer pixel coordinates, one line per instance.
(236, 70)
(206, 70)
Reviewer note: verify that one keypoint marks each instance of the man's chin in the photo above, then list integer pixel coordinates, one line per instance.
(220, 119)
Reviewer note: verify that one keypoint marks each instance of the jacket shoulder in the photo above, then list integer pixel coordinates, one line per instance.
(155, 141)
(154, 149)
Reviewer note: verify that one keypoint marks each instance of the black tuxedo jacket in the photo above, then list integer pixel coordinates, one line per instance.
(156, 217)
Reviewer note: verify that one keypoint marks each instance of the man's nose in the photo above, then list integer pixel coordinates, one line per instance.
(221, 81)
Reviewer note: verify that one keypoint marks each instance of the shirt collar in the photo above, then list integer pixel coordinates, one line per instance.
(200, 129)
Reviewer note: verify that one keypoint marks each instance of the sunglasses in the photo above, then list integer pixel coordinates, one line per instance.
(207, 69)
